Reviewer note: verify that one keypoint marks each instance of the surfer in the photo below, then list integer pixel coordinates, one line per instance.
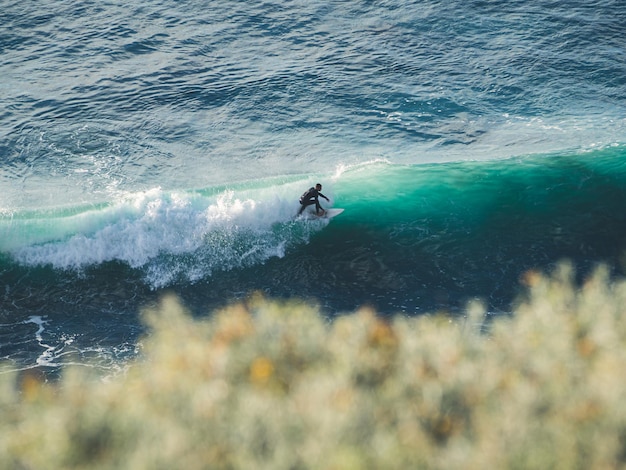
(311, 197)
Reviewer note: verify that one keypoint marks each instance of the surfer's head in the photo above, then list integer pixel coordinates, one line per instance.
(318, 187)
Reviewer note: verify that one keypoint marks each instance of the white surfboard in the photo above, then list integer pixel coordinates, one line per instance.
(328, 214)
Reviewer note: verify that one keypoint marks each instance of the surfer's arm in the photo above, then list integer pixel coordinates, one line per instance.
(324, 197)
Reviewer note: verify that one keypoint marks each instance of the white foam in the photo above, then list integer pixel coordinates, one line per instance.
(171, 234)
(46, 358)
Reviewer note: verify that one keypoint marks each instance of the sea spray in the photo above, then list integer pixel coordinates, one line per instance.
(171, 235)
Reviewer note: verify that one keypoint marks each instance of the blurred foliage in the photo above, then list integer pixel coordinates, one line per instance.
(274, 385)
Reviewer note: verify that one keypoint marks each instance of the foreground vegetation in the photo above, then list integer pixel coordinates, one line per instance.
(268, 385)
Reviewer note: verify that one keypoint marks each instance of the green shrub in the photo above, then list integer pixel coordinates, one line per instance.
(273, 385)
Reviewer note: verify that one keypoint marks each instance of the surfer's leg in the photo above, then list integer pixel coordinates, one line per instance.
(305, 205)
(318, 208)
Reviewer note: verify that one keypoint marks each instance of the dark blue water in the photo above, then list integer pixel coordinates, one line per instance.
(161, 147)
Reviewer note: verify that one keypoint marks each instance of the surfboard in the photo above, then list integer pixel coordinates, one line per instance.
(329, 214)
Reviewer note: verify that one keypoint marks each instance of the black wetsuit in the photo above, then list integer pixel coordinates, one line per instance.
(309, 198)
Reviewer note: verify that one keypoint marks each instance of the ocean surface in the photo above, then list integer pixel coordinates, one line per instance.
(161, 146)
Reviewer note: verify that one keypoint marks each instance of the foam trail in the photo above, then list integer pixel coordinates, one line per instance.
(46, 358)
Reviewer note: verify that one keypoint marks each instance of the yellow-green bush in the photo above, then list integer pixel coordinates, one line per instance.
(273, 385)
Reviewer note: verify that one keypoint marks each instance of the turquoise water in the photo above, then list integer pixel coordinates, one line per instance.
(162, 146)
